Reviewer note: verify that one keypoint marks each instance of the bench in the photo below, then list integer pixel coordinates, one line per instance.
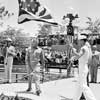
(59, 66)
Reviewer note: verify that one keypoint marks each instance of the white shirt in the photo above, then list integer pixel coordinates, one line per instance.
(11, 51)
(83, 60)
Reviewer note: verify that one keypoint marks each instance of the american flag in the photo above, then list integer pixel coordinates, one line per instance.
(32, 10)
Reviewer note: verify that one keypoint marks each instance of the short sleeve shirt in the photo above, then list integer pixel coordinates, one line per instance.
(83, 60)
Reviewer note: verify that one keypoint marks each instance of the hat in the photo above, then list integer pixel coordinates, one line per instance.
(8, 39)
(80, 37)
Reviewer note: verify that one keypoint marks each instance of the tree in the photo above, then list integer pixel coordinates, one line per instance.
(45, 29)
(19, 38)
(94, 26)
(4, 12)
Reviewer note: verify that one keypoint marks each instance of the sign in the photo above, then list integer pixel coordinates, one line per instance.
(70, 30)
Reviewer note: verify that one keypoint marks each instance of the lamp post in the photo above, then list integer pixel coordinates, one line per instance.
(70, 34)
(70, 29)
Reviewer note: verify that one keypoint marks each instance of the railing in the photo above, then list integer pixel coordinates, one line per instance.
(17, 70)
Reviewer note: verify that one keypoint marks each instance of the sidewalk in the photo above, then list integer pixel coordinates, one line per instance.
(55, 90)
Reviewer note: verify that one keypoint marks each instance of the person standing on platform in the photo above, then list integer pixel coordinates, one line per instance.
(83, 57)
(94, 64)
(89, 62)
(90, 56)
(8, 62)
(34, 62)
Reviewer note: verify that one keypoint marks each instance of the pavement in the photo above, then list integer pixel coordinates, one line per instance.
(63, 89)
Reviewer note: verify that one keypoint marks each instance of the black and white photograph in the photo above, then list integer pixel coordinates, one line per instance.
(49, 49)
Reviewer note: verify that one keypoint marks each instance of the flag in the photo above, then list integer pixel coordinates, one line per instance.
(32, 10)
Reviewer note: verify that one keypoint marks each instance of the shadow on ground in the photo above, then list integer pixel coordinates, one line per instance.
(49, 77)
(4, 97)
(25, 92)
(64, 98)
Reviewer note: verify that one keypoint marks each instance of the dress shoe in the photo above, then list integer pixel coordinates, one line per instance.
(91, 82)
(82, 97)
(38, 92)
(29, 89)
(7, 82)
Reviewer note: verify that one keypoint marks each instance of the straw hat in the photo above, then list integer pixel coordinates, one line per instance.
(9, 40)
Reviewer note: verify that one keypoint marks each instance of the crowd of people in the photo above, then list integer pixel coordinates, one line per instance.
(56, 56)
(19, 59)
(35, 57)
(52, 40)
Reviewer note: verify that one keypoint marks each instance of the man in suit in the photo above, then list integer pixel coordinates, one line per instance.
(94, 64)
(34, 62)
(8, 63)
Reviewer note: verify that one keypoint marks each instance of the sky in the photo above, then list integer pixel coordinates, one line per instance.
(58, 8)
